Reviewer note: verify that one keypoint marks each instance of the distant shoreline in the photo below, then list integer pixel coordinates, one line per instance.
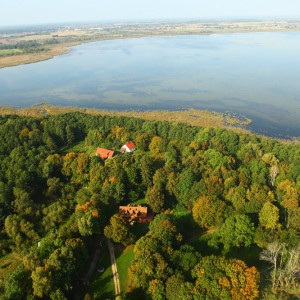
(83, 35)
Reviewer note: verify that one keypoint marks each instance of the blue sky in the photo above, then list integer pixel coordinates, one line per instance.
(14, 12)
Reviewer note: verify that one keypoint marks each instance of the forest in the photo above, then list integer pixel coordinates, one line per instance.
(226, 206)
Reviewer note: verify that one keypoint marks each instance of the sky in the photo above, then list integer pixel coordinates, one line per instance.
(16, 12)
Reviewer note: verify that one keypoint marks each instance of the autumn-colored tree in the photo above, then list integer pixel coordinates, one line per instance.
(156, 289)
(165, 231)
(220, 278)
(120, 133)
(208, 211)
(157, 145)
(68, 159)
(214, 185)
(288, 196)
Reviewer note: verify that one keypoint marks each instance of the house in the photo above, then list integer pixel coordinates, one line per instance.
(128, 147)
(136, 213)
(104, 153)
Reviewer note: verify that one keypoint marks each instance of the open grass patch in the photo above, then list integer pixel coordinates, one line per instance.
(8, 264)
(139, 202)
(124, 260)
(183, 219)
(201, 244)
(78, 147)
(102, 286)
(5, 52)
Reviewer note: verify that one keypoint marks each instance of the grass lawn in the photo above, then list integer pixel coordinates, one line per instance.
(102, 286)
(124, 259)
(79, 147)
(8, 264)
(139, 202)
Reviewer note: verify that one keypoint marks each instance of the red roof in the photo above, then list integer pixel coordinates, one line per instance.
(104, 153)
(130, 145)
(136, 213)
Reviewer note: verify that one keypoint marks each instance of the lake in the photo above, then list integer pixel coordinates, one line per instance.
(253, 74)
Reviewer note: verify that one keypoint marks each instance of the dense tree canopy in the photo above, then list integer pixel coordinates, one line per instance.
(212, 191)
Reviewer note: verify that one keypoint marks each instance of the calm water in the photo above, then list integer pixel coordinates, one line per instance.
(254, 74)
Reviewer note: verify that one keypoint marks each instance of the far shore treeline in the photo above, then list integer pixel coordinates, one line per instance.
(226, 205)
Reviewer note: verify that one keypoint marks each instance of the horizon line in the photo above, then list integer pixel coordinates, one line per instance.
(151, 20)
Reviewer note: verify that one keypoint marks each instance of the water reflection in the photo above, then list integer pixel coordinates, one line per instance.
(254, 74)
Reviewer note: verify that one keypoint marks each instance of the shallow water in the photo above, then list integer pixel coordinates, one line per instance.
(254, 74)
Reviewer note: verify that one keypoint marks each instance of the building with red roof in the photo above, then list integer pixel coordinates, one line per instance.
(136, 213)
(128, 147)
(104, 153)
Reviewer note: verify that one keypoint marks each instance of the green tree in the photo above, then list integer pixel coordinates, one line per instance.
(269, 216)
(118, 231)
(237, 231)
(185, 258)
(155, 198)
(178, 288)
(41, 282)
(147, 170)
(17, 284)
(165, 231)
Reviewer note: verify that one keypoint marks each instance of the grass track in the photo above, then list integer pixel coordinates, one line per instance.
(124, 260)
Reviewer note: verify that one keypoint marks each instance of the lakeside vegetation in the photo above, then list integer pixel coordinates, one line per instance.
(194, 117)
(34, 44)
(226, 206)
